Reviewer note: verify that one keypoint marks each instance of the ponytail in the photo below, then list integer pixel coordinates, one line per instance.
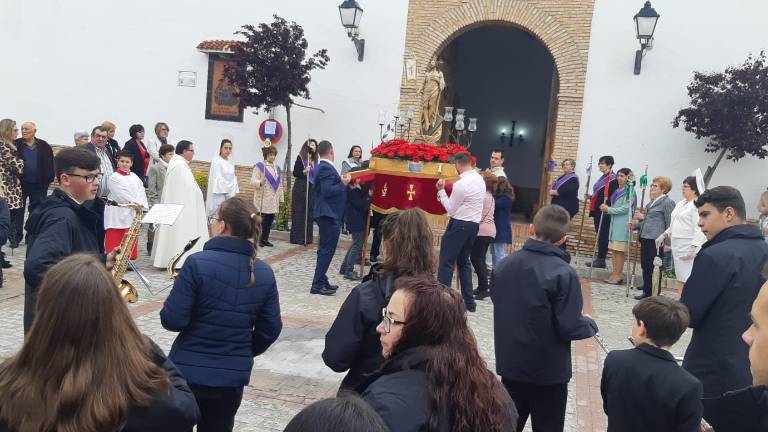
(245, 223)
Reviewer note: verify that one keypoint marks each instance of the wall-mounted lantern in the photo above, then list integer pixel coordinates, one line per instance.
(645, 26)
(351, 13)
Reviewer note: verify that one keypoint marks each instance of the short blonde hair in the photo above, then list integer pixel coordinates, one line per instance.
(664, 183)
(108, 126)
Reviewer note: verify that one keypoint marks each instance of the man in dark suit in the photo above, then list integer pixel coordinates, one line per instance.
(643, 388)
(606, 181)
(725, 280)
(330, 201)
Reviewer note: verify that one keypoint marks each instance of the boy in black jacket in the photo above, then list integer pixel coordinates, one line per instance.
(537, 313)
(643, 388)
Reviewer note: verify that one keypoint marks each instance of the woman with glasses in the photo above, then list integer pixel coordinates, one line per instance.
(434, 378)
(154, 143)
(352, 343)
(224, 304)
(11, 170)
(684, 232)
(651, 222)
(92, 370)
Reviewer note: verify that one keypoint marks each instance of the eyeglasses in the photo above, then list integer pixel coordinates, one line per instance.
(388, 320)
(213, 218)
(89, 178)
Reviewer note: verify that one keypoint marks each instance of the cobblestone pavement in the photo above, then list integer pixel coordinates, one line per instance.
(291, 373)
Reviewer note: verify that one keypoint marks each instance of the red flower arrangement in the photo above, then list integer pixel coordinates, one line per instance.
(404, 150)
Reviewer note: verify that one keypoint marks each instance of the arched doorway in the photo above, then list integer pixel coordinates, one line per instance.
(507, 78)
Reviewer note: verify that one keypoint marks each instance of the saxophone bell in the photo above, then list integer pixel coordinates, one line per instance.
(123, 256)
(171, 269)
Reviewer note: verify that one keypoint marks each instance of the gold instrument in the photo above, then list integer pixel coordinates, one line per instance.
(126, 289)
(171, 269)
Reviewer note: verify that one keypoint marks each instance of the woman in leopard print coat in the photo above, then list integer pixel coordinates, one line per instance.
(11, 165)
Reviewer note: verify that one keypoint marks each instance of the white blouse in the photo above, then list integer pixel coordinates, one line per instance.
(685, 223)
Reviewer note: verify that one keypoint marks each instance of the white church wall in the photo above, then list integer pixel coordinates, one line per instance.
(77, 63)
(630, 116)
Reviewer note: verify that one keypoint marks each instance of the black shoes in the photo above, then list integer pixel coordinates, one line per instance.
(481, 295)
(265, 243)
(323, 291)
(641, 296)
(597, 263)
(351, 276)
(471, 308)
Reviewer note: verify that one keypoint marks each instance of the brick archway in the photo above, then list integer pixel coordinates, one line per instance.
(562, 26)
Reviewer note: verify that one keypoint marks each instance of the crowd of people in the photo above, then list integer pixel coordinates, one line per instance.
(402, 334)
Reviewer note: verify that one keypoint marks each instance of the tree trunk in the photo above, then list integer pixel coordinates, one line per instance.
(287, 166)
(711, 169)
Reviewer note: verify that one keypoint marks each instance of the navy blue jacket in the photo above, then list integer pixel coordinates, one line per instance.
(644, 389)
(222, 322)
(568, 197)
(536, 314)
(502, 214)
(358, 203)
(724, 281)
(330, 193)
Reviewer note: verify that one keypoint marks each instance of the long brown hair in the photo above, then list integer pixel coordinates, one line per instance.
(504, 187)
(84, 363)
(306, 149)
(462, 390)
(409, 232)
(244, 222)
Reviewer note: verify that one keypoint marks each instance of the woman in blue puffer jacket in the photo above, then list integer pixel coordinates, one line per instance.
(225, 306)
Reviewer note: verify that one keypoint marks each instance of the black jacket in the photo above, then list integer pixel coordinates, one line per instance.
(352, 342)
(537, 313)
(744, 410)
(399, 392)
(138, 167)
(175, 410)
(110, 151)
(56, 229)
(600, 196)
(644, 390)
(358, 204)
(724, 281)
(44, 159)
(568, 196)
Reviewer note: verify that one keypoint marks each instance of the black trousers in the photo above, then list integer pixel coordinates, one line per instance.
(218, 406)
(602, 238)
(266, 225)
(477, 257)
(455, 248)
(34, 193)
(545, 404)
(376, 227)
(648, 252)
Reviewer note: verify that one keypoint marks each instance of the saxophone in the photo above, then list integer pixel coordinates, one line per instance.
(127, 290)
(171, 268)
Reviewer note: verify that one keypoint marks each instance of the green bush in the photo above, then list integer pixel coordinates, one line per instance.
(202, 180)
(284, 214)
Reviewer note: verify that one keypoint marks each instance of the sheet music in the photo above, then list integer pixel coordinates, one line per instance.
(163, 214)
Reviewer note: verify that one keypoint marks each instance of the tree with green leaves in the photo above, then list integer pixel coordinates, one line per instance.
(730, 110)
(270, 68)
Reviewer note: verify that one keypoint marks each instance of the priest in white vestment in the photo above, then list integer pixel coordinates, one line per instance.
(222, 181)
(181, 188)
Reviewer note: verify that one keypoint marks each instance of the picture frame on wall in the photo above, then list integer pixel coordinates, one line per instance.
(221, 101)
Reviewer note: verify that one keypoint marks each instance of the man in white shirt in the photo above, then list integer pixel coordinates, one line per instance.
(465, 208)
(497, 163)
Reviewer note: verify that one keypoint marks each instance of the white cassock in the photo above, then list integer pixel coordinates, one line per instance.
(124, 189)
(180, 188)
(222, 183)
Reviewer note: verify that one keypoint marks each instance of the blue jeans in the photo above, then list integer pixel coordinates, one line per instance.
(498, 252)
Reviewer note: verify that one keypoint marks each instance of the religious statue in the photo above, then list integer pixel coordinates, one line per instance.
(430, 92)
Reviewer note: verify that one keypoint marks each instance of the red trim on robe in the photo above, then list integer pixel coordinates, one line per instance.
(114, 236)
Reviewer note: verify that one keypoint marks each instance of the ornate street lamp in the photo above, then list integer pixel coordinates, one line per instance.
(645, 26)
(351, 13)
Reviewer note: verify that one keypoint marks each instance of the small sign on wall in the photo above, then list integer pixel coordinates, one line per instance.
(187, 79)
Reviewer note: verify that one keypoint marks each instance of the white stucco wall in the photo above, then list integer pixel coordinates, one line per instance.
(629, 116)
(71, 65)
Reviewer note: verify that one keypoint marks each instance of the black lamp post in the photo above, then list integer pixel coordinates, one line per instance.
(351, 13)
(645, 26)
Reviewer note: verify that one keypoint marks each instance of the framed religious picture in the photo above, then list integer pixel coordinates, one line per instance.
(221, 102)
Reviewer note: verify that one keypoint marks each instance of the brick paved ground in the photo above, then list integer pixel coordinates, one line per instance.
(291, 373)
